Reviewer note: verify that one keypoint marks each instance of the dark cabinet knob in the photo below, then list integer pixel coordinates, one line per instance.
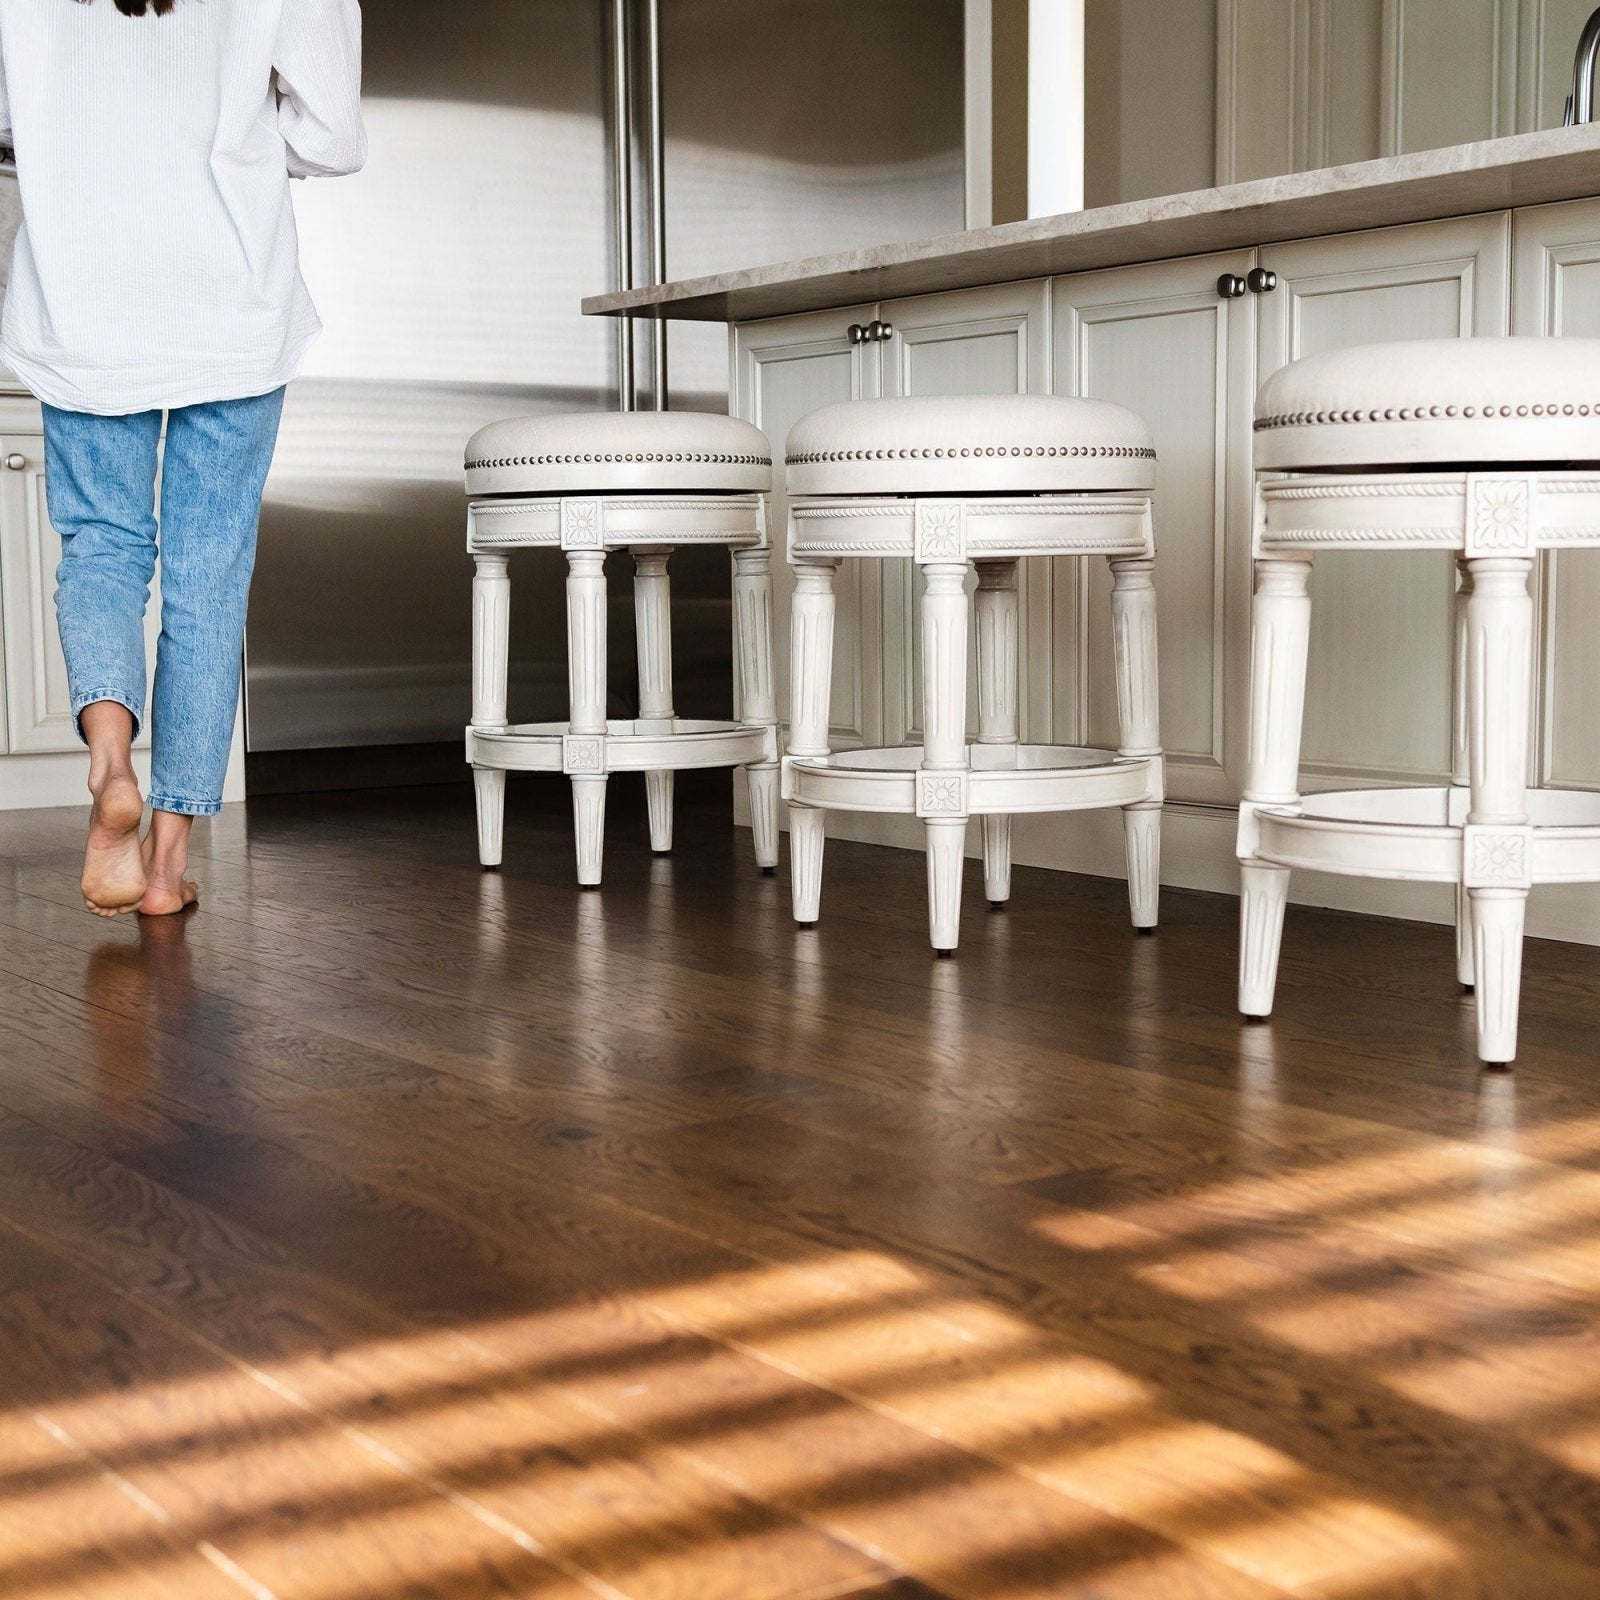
(858, 334)
(879, 331)
(1230, 286)
(1261, 281)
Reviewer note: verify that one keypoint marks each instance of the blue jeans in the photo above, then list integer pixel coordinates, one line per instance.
(100, 482)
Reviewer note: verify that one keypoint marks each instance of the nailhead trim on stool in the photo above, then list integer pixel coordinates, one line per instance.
(598, 459)
(1077, 452)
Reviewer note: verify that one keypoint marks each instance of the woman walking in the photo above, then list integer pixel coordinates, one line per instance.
(156, 285)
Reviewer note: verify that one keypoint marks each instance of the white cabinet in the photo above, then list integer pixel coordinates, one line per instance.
(38, 706)
(971, 341)
(1556, 290)
(783, 368)
(1162, 341)
(975, 341)
(1379, 697)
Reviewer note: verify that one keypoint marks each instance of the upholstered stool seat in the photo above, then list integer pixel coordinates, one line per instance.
(987, 444)
(1489, 448)
(619, 452)
(953, 484)
(1432, 402)
(645, 483)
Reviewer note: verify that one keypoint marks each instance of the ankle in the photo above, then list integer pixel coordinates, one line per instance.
(102, 773)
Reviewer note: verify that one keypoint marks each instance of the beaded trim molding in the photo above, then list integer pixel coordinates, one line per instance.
(1120, 451)
(613, 458)
(1323, 419)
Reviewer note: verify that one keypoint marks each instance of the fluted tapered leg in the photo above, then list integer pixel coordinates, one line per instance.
(489, 786)
(1497, 844)
(652, 610)
(943, 781)
(586, 677)
(758, 705)
(491, 616)
(1263, 895)
(811, 693)
(1133, 632)
(1461, 770)
(1280, 633)
(997, 626)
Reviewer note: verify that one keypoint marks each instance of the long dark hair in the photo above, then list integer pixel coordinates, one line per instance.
(137, 8)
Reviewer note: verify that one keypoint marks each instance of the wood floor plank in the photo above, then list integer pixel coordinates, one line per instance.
(1269, 1472)
(1002, 1421)
(642, 1525)
(843, 1445)
(70, 1530)
(731, 1256)
(307, 1517)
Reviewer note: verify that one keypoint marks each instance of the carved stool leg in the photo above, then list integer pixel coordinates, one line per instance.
(997, 627)
(758, 706)
(942, 782)
(491, 614)
(811, 690)
(1461, 770)
(652, 610)
(1497, 843)
(586, 677)
(1133, 627)
(1280, 634)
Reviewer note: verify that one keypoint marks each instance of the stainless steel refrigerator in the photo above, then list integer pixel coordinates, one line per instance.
(449, 275)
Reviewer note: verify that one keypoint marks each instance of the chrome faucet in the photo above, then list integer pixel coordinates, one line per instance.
(1580, 103)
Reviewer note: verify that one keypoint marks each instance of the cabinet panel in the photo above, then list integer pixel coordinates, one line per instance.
(784, 368)
(1160, 340)
(37, 701)
(1379, 698)
(1556, 291)
(972, 341)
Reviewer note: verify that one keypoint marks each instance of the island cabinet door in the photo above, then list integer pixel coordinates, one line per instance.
(1163, 341)
(782, 368)
(1378, 709)
(1555, 290)
(991, 340)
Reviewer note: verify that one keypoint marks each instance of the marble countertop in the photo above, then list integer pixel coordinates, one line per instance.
(1492, 175)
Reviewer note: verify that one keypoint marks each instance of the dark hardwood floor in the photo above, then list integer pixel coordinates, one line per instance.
(389, 1229)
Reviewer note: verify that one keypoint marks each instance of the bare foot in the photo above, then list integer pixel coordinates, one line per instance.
(167, 891)
(114, 881)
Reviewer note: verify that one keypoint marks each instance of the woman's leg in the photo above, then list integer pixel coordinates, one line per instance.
(100, 475)
(213, 473)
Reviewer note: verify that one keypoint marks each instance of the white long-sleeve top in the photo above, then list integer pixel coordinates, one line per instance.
(158, 265)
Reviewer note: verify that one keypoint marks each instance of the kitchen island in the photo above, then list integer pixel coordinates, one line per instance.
(1179, 307)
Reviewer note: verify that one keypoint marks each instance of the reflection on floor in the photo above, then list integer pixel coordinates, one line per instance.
(390, 1229)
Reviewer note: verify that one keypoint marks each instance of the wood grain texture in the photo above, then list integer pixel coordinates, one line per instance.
(391, 1229)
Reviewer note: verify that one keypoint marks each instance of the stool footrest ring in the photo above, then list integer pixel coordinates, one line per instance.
(1418, 834)
(627, 746)
(1001, 780)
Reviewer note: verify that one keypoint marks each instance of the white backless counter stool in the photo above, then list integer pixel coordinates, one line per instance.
(587, 484)
(952, 484)
(1489, 448)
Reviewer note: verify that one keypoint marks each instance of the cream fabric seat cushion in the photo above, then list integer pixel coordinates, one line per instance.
(970, 444)
(595, 452)
(1432, 402)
